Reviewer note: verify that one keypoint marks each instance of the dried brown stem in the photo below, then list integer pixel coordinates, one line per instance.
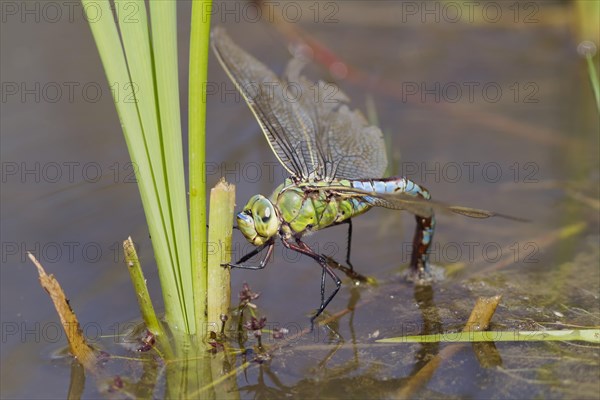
(78, 345)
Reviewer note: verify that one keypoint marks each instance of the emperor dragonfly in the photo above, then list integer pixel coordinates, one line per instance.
(334, 158)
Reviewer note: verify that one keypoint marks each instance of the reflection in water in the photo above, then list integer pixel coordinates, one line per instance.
(487, 354)
(77, 380)
(432, 324)
(353, 363)
(262, 389)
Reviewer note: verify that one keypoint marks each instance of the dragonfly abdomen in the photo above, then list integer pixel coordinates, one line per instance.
(391, 186)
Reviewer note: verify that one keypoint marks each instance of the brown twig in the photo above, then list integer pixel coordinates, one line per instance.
(78, 345)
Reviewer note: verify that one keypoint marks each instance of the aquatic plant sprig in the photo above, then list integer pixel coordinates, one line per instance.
(141, 54)
(256, 326)
(246, 296)
(129, 59)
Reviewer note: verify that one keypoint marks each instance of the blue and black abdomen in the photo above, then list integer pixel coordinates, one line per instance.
(391, 186)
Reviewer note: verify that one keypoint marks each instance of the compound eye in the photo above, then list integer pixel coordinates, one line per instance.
(267, 214)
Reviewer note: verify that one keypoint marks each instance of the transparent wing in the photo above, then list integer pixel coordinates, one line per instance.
(290, 132)
(416, 205)
(309, 128)
(349, 147)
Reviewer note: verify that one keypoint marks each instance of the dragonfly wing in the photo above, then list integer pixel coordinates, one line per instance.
(355, 149)
(309, 128)
(416, 205)
(411, 204)
(347, 145)
(289, 130)
(425, 208)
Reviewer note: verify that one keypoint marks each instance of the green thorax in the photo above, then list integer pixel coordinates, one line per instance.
(310, 206)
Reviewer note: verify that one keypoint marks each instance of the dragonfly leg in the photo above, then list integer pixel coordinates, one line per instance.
(303, 248)
(322, 285)
(348, 270)
(240, 263)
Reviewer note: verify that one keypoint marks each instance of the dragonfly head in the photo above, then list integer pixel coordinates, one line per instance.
(258, 222)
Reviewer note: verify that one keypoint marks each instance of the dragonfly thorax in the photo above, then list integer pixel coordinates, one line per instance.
(258, 222)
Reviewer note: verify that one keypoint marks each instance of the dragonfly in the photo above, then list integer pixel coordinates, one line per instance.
(336, 162)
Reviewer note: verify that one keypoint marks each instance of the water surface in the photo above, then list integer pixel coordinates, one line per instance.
(495, 115)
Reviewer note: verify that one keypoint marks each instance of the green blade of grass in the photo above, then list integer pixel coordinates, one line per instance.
(593, 79)
(199, 44)
(138, 52)
(586, 335)
(136, 43)
(587, 27)
(163, 17)
(107, 40)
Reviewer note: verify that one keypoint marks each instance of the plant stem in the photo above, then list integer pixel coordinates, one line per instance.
(134, 121)
(164, 50)
(141, 290)
(222, 203)
(77, 344)
(197, 131)
(593, 79)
